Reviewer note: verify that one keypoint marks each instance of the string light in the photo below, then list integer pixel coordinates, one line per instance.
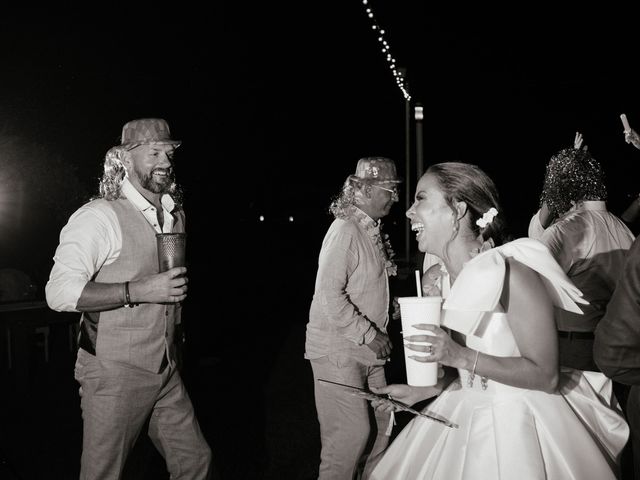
(401, 81)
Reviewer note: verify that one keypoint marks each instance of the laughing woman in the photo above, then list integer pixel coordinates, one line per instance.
(519, 415)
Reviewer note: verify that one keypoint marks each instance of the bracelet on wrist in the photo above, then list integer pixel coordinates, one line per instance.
(127, 296)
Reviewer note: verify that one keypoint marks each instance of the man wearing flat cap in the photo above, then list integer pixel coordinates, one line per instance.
(106, 266)
(346, 340)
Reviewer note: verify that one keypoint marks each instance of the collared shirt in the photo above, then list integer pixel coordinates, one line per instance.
(590, 244)
(92, 238)
(351, 298)
(616, 349)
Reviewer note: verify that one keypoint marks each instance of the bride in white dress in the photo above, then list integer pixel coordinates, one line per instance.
(519, 415)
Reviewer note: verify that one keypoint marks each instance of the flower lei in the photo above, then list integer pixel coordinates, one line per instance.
(392, 268)
(381, 241)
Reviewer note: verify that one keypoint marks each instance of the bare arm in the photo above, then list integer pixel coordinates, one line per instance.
(530, 316)
(166, 287)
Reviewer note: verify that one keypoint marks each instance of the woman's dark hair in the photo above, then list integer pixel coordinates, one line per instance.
(573, 175)
(468, 183)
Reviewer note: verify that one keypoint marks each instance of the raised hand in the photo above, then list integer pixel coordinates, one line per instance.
(632, 137)
(578, 142)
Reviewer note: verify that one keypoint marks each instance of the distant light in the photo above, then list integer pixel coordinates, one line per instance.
(262, 218)
(386, 48)
(419, 114)
(291, 219)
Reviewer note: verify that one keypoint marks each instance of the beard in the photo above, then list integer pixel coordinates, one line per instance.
(156, 184)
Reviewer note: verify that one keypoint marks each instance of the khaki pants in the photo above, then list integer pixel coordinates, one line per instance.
(116, 401)
(351, 434)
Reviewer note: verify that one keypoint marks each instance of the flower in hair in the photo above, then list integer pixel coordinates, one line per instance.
(487, 218)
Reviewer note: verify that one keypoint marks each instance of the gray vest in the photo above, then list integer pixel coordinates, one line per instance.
(142, 335)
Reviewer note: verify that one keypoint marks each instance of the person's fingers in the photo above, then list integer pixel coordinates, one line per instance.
(419, 348)
(420, 358)
(418, 338)
(426, 327)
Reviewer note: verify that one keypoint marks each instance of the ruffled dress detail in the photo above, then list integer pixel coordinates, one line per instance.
(507, 432)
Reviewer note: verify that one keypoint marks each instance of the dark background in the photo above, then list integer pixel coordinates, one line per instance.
(274, 103)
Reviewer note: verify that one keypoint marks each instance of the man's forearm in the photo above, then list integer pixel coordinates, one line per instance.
(98, 297)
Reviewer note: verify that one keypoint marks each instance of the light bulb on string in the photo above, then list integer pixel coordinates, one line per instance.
(386, 50)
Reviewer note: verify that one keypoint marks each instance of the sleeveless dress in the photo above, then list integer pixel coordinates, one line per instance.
(507, 432)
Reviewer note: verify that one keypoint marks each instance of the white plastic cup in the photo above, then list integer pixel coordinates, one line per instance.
(415, 310)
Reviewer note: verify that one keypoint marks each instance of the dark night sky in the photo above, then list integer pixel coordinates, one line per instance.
(276, 101)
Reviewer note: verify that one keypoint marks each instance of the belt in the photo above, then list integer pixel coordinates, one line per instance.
(576, 335)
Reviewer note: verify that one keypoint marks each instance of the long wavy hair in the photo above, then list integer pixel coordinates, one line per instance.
(114, 173)
(348, 197)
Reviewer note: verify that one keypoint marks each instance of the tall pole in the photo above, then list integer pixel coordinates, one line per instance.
(419, 155)
(408, 184)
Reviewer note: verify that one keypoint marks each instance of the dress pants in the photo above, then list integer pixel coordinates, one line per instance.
(117, 399)
(352, 435)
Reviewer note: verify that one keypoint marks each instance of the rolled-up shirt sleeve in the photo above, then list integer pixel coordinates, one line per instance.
(90, 239)
(616, 348)
(335, 271)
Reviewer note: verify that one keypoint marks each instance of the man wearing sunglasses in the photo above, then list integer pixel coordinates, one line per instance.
(346, 340)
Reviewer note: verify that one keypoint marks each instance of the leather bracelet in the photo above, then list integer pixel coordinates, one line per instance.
(127, 296)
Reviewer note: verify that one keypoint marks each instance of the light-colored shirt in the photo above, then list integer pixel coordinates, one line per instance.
(92, 238)
(591, 245)
(351, 298)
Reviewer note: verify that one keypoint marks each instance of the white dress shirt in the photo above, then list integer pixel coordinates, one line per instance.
(590, 244)
(92, 238)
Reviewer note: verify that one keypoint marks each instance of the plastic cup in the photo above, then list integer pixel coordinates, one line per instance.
(171, 250)
(415, 310)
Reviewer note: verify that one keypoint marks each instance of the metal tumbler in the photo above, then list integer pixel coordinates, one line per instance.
(171, 250)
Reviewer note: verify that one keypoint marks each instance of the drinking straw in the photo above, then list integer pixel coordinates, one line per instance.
(418, 283)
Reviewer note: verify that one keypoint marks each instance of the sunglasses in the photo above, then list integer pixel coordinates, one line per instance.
(393, 191)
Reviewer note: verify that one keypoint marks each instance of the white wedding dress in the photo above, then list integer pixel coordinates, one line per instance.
(505, 432)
